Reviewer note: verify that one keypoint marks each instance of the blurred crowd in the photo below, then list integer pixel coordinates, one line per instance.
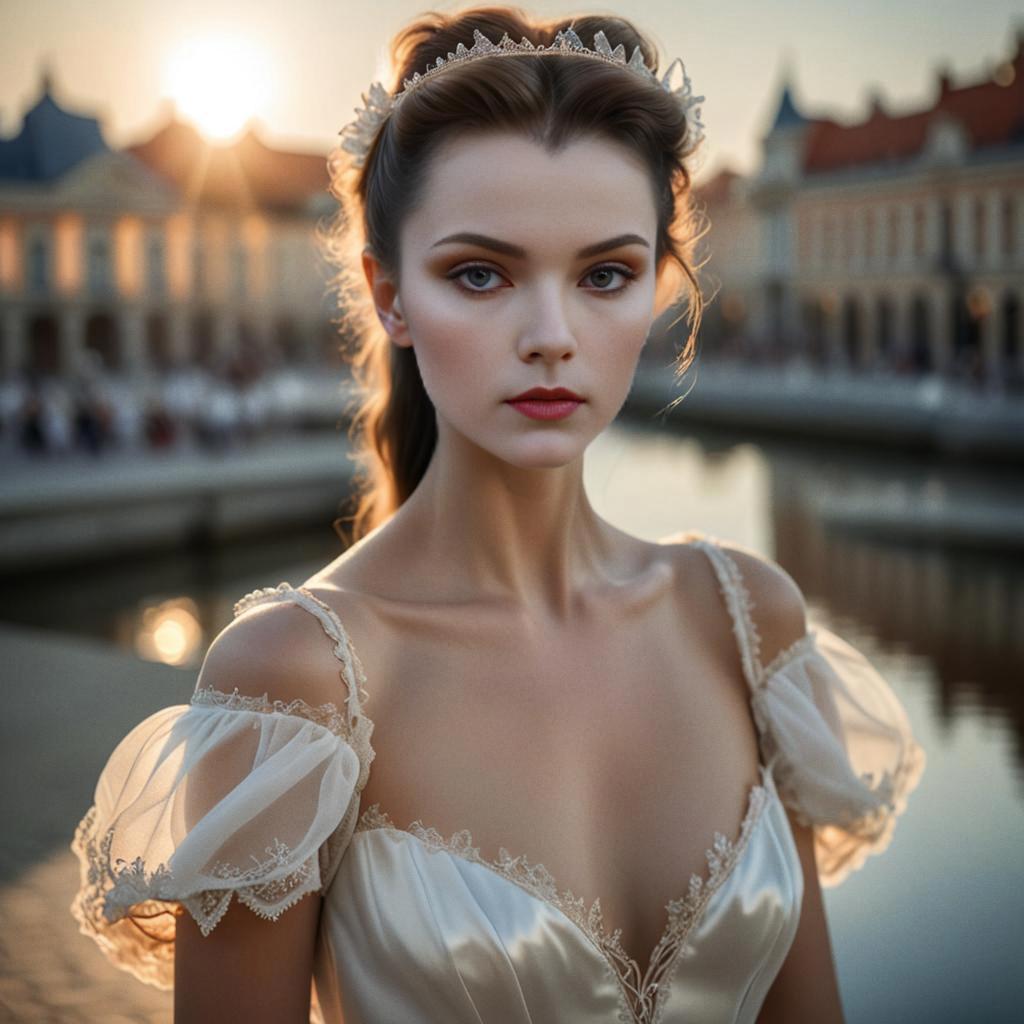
(185, 407)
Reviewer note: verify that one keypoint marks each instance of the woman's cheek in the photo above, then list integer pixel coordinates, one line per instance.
(452, 360)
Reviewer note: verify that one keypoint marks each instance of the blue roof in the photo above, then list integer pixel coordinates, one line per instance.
(51, 141)
(787, 114)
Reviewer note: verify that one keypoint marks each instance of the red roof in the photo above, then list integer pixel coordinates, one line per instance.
(991, 112)
(246, 173)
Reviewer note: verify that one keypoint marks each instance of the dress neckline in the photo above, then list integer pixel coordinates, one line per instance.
(644, 992)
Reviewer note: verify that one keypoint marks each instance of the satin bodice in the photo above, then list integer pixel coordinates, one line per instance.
(419, 928)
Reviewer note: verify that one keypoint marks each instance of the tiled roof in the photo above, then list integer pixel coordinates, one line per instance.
(991, 112)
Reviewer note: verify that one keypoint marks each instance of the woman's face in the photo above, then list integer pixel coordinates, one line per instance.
(520, 269)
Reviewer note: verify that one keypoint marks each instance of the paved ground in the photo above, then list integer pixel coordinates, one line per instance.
(67, 703)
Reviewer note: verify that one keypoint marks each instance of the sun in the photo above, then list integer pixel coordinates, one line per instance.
(218, 82)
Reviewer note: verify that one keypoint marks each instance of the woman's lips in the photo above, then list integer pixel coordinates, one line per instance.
(545, 408)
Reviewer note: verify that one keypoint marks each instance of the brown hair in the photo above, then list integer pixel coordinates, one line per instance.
(552, 101)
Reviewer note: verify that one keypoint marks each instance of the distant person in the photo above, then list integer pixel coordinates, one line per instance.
(30, 424)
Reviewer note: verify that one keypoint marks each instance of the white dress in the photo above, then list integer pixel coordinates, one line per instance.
(419, 928)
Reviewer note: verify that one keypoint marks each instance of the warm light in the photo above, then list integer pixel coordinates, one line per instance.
(169, 632)
(128, 256)
(979, 302)
(68, 253)
(10, 265)
(219, 82)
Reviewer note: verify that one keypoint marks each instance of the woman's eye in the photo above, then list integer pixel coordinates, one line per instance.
(604, 277)
(476, 278)
(482, 279)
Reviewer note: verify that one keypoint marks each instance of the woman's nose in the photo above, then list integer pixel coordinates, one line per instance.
(548, 331)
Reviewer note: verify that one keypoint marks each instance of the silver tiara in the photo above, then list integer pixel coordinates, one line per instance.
(358, 135)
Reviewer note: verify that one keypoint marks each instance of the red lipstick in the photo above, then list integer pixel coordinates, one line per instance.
(546, 403)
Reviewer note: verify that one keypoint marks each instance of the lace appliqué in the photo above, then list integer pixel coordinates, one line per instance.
(149, 902)
(740, 605)
(643, 996)
(115, 888)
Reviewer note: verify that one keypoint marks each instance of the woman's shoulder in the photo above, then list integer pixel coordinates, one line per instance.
(279, 643)
(755, 586)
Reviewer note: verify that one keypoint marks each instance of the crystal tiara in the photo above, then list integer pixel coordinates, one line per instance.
(358, 135)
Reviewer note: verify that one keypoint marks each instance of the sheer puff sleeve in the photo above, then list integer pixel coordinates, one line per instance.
(838, 740)
(231, 796)
(843, 753)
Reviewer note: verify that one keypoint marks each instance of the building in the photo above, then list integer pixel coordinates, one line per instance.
(170, 252)
(893, 244)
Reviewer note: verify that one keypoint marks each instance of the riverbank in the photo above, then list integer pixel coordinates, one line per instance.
(920, 415)
(73, 507)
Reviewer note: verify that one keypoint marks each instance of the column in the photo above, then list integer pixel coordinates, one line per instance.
(868, 356)
(906, 259)
(131, 326)
(932, 231)
(963, 229)
(989, 327)
(71, 323)
(178, 332)
(939, 300)
(225, 333)
(14, 355)
(901, 300)
(994, 246)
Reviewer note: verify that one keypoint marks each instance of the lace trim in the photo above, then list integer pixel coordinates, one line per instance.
(740, 605)
(798, 647)
(643, 996)
(357, 727)
(111, 891)
(326, 715)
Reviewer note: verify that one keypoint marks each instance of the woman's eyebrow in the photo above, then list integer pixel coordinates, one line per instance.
(508, 249)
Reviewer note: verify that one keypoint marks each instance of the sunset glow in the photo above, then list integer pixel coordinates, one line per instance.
(218, 83)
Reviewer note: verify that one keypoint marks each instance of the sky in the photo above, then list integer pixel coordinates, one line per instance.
(114, 59)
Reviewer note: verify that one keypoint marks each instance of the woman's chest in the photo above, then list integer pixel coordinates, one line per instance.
(504, 940)
(610, 757)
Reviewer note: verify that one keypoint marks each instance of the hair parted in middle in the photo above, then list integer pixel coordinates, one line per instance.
(550, 101)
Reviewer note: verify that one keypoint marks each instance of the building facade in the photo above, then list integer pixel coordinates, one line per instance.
(127, 263)
(895, 244)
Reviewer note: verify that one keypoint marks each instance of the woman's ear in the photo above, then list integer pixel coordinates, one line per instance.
(385, 300)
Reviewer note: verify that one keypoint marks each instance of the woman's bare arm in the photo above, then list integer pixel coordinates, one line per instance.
(806, 990)
(248, 968)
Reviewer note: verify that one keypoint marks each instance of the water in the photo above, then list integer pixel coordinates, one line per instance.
(930, 929)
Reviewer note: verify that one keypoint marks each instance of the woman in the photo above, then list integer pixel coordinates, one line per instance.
(608, 775)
